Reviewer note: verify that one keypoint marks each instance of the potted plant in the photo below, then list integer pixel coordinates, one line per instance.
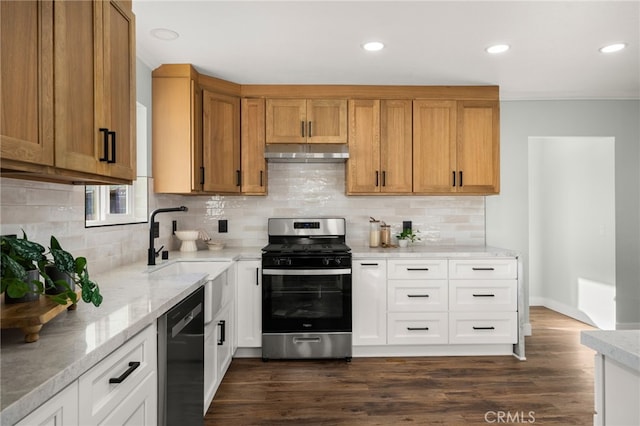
(21, 262)
(407, 235)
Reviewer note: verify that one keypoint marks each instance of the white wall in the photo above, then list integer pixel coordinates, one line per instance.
(572, 227)
(507, 213)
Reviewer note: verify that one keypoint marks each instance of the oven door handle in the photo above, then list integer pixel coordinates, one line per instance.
(343, 271)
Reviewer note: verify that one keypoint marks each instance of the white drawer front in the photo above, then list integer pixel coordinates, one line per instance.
(417, 269)
(483, 269)
(483, 327)
(98, 397)
(417, 295)
(417, 328)
(483, 295)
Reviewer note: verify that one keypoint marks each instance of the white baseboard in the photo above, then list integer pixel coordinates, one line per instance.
(562, 308)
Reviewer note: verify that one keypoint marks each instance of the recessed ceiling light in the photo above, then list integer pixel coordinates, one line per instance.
(616, 47)
(373, 46)
(498, 48)
(164, 34)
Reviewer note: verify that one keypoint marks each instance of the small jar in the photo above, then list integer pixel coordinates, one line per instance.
(374, 233)
(385, 235)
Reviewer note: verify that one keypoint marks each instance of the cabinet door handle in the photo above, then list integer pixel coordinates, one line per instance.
(201, 175)
(257, 276)
(417, 328)
(417, 269)
(105, 144)
(132, 366)
(222, 325)
(310, 129)
(112, 160)
(484, 295)
(482, 269)
(417, 295)
(369, 264)
(460, 178)
(454, 178)
(302, 128)
(377, 177)
(237, 177)
(261, 178)
(384, 178)
(484, 328)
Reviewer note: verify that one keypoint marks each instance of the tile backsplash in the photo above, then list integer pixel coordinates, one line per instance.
(294, 190)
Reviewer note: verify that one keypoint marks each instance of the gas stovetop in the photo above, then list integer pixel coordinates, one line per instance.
(290, 248)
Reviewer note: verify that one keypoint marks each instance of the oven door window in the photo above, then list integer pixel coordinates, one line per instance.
(297, 303)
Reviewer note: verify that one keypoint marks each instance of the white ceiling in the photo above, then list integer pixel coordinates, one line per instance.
(554, 44)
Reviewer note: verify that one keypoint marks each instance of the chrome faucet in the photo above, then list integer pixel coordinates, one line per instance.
(154, 231)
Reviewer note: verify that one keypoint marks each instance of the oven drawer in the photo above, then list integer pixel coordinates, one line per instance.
(306, 345)
(417, 269)
(483, 295)
(483, 327)
(483, 269)
(417, 328)
(417, 295)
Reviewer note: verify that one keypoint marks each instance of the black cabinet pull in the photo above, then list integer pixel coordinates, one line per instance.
(417, 269)
(484, 328)
(384, 178)
(482, 269)
(460, 179)
(237, 177)
(222, 331)
(261, 178)
(417, 295)
(105, 144)
(112, 160)
(302, 128)
(132, 366)
(417, 328)
(377, 177)
(201, 175)
(310, 129)
(484, 295)
(369, 264)
(257, 276)
(454, 178)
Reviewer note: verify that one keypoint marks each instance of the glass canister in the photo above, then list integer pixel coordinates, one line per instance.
(385, 235)
(374, 233)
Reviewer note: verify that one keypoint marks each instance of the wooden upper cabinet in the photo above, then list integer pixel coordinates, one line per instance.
(306, 121)
(177, 132)
(252, 142)
(221, 142)
(94, 66)
(379, 147)
(26, 81)
(434, 146)
(478, 150)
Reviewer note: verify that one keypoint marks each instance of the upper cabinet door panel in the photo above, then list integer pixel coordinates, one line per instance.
(434, 146)
(253, 163)
(286, 120)
(26, 81)
(478, 146)
(396, 146)
(327, 121)
(363, 165)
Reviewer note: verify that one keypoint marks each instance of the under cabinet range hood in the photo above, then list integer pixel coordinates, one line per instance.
(306, 153)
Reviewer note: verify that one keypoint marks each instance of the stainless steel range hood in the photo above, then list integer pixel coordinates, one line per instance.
(306, 153)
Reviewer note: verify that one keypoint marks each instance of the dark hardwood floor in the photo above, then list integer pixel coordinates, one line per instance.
(553, 386)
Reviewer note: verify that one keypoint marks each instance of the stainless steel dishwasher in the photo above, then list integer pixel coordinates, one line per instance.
(181, 362)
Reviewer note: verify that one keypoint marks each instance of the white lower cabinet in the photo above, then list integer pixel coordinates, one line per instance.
(417, 328)
(249, 293)
(61, 410)
(122, 388)
(369, 294)
(483, 327)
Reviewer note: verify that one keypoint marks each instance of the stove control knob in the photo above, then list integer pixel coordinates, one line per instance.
(287, 261)
(338, 261)
(326, 261)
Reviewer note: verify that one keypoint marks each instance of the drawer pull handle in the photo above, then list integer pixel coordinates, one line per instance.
(132, 366)
(484, 328)
(417, 328)
(417, 269)
(369, 264)
(484, 295)
(483, 269)
(417, 295)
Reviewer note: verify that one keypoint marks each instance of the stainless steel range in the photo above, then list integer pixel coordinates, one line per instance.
(306, 290)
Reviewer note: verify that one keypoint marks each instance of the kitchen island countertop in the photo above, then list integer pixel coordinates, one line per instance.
(622, 346)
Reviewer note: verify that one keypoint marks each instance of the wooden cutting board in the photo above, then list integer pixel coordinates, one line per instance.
(31, 316)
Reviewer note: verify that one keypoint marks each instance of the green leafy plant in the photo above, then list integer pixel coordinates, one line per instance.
(408, 234)
(22, 255)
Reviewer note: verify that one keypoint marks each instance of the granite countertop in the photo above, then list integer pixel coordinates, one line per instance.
(622, 346)
(74, 341)
(415, 251)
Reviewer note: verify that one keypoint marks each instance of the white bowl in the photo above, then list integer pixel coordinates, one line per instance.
(188, 239)
(215, 245)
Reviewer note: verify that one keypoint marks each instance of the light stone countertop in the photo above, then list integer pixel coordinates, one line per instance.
(75, 341)
(622, 346)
